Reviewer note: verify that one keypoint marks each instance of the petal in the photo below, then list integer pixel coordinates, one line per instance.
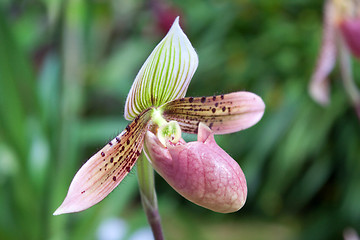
(350, 29)
(223, 113)
(105, 170)
(165, 75)
(319, 85)
(200, 171)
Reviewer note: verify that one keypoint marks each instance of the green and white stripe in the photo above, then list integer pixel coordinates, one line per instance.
(165, 75)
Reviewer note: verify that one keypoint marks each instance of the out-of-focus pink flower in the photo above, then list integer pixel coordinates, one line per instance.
(341, 32)
(350, 29)
(319, 85)
(164, 14)
(200, 171)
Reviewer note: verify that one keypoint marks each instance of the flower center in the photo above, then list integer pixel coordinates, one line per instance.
(167, 131)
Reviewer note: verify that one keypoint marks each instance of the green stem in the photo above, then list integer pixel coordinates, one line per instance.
(146, 181)
(347, 77)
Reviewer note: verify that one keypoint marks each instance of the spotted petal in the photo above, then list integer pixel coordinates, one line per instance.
(105, 170)
(223, 113)
(165, 75)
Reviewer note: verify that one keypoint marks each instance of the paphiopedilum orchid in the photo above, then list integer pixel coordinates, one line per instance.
(341, 35)
(200, 171)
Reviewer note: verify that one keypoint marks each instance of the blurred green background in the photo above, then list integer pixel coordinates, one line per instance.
(66, 68)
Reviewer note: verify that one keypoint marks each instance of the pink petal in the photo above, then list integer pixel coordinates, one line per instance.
(223, 114)
(350, 29)
(200, 171)
(319, 86)
(106, 169)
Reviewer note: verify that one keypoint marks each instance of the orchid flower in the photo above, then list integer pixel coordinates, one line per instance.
(341, 33)
(200, 171)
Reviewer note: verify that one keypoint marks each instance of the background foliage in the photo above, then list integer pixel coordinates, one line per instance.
(66, 68)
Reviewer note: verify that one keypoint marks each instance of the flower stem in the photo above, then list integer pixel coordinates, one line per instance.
(146, 181)
(347, 77)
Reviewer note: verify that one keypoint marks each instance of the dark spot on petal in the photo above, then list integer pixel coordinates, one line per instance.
(128, 128)
(122, 149)
(211, 124)
(214, 98)
(213, 110)
(222, 96)
(203, 99)
(229, 109)
(110, 143)
(102, 154)
(114, 178)
(117, 139)
(82, 192)
(223, 109)
(137, 153)
(127, 169)
(191, 99)
(100, 169)
(182, 99)
(216, 104)
(106, 164)
(111, 159)
(128, 142)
